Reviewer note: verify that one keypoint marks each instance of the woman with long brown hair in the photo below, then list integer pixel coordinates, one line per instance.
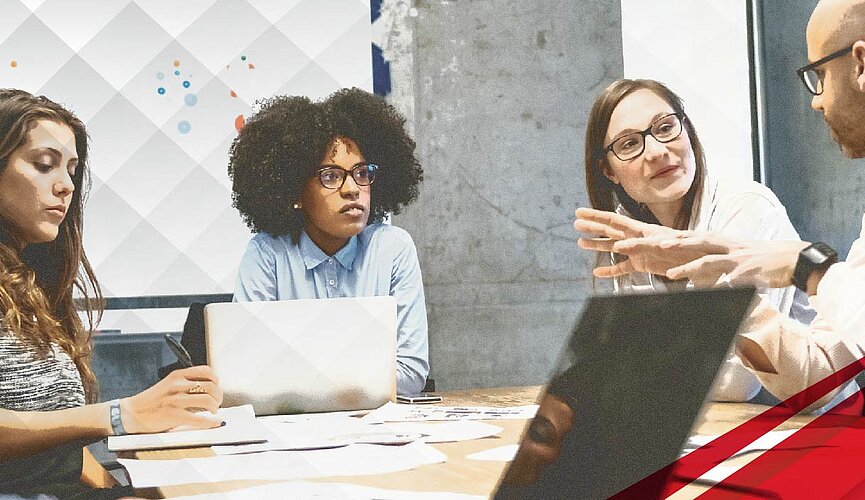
(48, 392)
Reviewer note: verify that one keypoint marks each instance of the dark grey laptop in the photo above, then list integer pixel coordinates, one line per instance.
(630, 382)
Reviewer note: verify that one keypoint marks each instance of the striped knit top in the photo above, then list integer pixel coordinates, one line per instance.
(29, 382)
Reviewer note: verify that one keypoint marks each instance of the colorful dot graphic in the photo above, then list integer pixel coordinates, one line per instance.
(242, 58)
(176, 63)
(177, 72)
(190, 99)
(238, 122)
(160, 75)
(14, 64)
(161, 90)
(186, 84)
(184, 127)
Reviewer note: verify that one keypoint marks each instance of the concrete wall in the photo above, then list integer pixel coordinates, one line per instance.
(501, 93)
(821, 188)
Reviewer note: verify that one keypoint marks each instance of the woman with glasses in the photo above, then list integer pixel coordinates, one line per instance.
(643, 159)
(315, 180)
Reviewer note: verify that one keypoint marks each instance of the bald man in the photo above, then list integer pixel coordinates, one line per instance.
(786, 356)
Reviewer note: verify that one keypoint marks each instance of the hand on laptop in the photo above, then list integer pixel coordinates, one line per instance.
(173, 402)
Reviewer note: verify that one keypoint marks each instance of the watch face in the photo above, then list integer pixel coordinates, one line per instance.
(815, 256)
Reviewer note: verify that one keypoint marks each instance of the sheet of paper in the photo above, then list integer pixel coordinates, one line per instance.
(330, 432)
(301, 490)
(314, 417)
(354, 460)
(391, 412)
(240, 427)
(504, 453)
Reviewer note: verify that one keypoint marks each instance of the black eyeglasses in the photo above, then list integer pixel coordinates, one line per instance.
(812, 78)
(665, 129)
(334, 177)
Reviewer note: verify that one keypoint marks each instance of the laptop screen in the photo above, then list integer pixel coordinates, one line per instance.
(629, 384)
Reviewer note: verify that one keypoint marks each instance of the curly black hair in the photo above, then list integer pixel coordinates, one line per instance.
(282, 145)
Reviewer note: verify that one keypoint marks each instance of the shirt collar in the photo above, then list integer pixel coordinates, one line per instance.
(313, 256)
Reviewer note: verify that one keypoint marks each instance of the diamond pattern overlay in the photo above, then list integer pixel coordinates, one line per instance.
(699, 49)
(161, 86)
(289, 345)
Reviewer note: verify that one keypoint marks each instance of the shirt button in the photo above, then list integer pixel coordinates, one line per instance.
(331, 282)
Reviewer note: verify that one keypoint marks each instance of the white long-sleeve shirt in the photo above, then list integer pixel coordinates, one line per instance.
(804, 355)
(739, 209)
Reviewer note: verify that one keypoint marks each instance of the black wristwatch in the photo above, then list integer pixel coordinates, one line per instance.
(815, 257)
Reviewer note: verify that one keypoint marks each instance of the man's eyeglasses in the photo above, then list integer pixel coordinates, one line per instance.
(665, 129)
(812, 78)
(334, 177)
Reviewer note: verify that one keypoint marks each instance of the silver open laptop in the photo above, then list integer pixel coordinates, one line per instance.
(297, 356)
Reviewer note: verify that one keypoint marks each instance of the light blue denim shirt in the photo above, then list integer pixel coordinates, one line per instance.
(381, 260)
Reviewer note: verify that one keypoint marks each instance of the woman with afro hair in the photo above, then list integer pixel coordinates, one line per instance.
(315, 181)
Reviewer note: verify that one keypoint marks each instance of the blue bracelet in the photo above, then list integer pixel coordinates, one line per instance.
(116, 422)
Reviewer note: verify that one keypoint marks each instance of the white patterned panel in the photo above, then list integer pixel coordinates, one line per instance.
(699, 49)
(159, 218)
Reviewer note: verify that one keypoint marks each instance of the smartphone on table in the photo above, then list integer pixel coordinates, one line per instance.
(418, 399)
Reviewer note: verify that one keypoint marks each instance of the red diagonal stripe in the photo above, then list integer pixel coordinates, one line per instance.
(822, 460)
(700, 461)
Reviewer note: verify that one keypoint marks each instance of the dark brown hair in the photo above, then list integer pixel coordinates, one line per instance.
(603, 193)
(37, 284)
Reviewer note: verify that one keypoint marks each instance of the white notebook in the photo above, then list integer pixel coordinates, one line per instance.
(240, 428)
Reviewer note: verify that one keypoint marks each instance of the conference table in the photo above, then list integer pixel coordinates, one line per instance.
(460, 474)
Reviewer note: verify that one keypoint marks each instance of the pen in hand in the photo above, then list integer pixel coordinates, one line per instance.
(182, 356)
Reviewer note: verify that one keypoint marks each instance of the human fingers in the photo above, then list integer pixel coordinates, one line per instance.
(200, 372)
(596, 244)
(636, 245)
(599, 228)
(704, 271)
(693, 243)
(201, 387)
(194, 420)
(199, 401)
(620, 269)
(612, 219)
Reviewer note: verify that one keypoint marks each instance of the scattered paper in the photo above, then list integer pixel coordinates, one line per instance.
(330, 432)
(446, 432)
(301, 490)
(391, 412)
(500, 454)
(240, 427)
(354, 460)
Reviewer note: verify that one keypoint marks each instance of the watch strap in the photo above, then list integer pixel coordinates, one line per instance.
(807, 264)
(116, 422)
